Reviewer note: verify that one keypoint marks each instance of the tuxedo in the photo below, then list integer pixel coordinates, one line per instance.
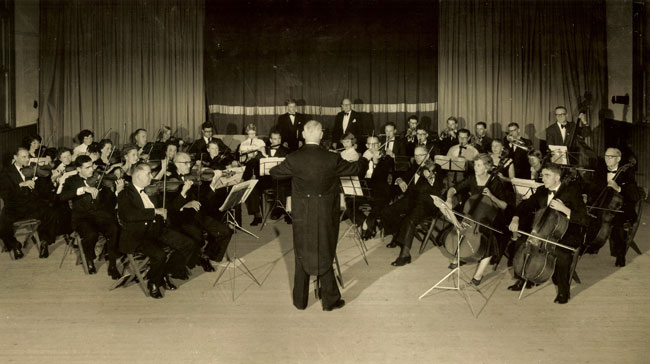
(484, 144)
(573, 237)
(355, 126)
(398, 145)
(144, 231)
(554, 133)
(291, 132)
(200, 146)
(89, 218)
(254, 199)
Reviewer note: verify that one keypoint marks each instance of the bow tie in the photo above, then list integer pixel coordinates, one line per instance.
(142, 191)
(292, 114)
(562, 126)
(346, 113)
(612, 172)
(462, 147)
(552, 191)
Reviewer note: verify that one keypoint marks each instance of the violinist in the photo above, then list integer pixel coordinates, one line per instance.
(518, 148)
(166, 164)
(89, 218)
(481, 183)
(402, 217)
(200, 145)
(565, 199)
(214, 158)
(411, 135)
(158, 148)
(611, 178)
(140, 141)
(252, 147)
(400, 208)
(21, 202)
(105, 157)
(498, 158)
(129, 160)
(144, 230)
(32, 143)
(393, 145)
(187, 206)
(85, 139)
(63, 167)
(480, 140)
(449, 136)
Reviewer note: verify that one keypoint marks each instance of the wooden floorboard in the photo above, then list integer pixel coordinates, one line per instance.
(52, 315)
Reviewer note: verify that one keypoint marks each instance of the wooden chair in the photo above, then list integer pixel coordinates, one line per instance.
(135, 266)
(430, 230)
(25, 230)
(633, 229)
(73, 242)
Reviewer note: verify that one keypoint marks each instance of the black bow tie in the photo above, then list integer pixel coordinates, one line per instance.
(562, 126)
(292, 114)
(612, 172)
(462, 147)
(347, 113)
(142, 191)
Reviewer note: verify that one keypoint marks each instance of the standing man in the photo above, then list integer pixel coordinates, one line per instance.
(290, 127)
(347, 120)
(564, 132)
(315, 198)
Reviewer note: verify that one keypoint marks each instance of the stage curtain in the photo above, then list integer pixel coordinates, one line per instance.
(120, 65)
(381, 55)
(515, 61)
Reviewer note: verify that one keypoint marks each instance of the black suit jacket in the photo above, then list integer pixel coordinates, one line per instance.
(572, 198)
(519, 157)
(355, 126)
(281, 151)
(399, 145)
(16, 198)
(291, 133)
(139, 224)
(625, 180)
(315, 187)
(82, 204)
(199, 146)
(554, 134)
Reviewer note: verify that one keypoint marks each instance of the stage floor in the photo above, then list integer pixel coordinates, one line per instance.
(52, 315)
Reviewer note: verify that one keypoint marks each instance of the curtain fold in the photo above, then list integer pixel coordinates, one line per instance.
(515, 61)
(119, 66)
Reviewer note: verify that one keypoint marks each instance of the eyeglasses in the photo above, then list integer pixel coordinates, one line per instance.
(610, 156)
(188, 162)
(560, 114)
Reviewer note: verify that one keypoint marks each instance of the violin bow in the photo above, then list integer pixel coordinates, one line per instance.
(38, 156)
(420, 165)
(101, 178)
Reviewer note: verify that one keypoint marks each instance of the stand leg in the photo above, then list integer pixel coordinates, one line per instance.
(339, 277)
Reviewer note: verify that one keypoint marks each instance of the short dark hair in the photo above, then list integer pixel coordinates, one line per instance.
(465, 131)
(513, 124)
(104, 142)
(553, 167)
(275, 131)
(127, 148)
(27, 141)
(535, 153)
(81, 160)
(560, 107)
(19, 149)
(206, 125)
(61, 151)
(482, 123)
(290, 101)
(412, 117)
(452, 118)
(390, 123)
(83, 134)
(94, 148)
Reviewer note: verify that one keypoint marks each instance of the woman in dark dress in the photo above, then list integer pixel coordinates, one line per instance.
(496, 194)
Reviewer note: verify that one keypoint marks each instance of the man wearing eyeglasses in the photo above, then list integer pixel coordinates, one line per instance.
(612, 178)
(561, 132)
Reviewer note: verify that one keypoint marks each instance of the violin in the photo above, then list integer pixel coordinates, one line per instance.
(606, 205)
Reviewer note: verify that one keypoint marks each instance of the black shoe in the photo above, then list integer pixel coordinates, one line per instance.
(43, 251)
(620, 262)
(400, 261)
(206, 265)
(561, 299)
(519, 285)
(288, 219)
(276, 214)
(154, 291)
(113, 272)
(476, 282)
(453, 265)
(392, 244)
(256, 221)
(338, 304)
(91, 267)
(168, 285)
(18, 253)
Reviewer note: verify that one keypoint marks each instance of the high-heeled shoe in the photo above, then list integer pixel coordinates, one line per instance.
(476, 282)
(400, 261)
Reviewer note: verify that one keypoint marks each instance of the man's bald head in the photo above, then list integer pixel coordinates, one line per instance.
(313, 132)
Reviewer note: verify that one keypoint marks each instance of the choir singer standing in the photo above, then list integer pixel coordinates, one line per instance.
(315, 203)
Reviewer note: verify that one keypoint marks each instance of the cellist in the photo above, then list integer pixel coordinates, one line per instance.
(623, 182)
(566, 199)
(500, 196)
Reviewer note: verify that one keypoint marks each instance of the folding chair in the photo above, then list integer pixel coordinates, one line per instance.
(73, 241)
(137, 266)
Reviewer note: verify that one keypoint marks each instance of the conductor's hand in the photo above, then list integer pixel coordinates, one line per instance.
(92, 190)
(186, 187)
(29, 184)
(196, 205)
(162, 212)
(514, 224)
(402, 185)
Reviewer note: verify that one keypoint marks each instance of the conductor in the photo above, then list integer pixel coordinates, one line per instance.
(315, 198)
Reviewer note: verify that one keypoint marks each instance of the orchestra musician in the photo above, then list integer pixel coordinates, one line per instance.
(463, 148)
(497, 151)
(89, 217)
(314, 174)
(167, 166)
(144, 230)
(215, 157)
(32, 143)
(625, 185)
(186, 210)
(393, 145)
(480, 140)
(449, 136)
(200, 145)
(561, 132)
(518, 148)
(250, 151)
(21, 202)
(566, 199)
(130, 158)
(290, 125)
(85, 139)
(401, 218)
(410, 137)
(346, 121)
(423, 140)
(144, 147)
(349, 144)
(535, 159)
(481, 183)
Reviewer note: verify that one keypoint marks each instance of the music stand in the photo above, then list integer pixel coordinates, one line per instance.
(265, 167)
(525, 187)
(351, 187)
(459, 284)
(238, 194)
(450, 164)
(559, 154)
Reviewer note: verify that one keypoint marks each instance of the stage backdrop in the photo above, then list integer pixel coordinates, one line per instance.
(108, 64)
(515, 61)
(380, 54)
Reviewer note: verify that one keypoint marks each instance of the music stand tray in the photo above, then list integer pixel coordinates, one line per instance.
(238, 195)
(265, 167)
(525, 187)
(450, 164)
(559, 154)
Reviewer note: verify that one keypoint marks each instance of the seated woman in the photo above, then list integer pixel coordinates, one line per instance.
(535, 159)
(349, 143)
(167, 166)
(498, 157)
(485, 189)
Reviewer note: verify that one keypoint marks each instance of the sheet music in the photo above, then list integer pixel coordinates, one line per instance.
(450, 163)
(267, 163)
(236, 175)
(351, 186)
(525, 187)
(238, 194)
(558, 154)
(446, 211)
